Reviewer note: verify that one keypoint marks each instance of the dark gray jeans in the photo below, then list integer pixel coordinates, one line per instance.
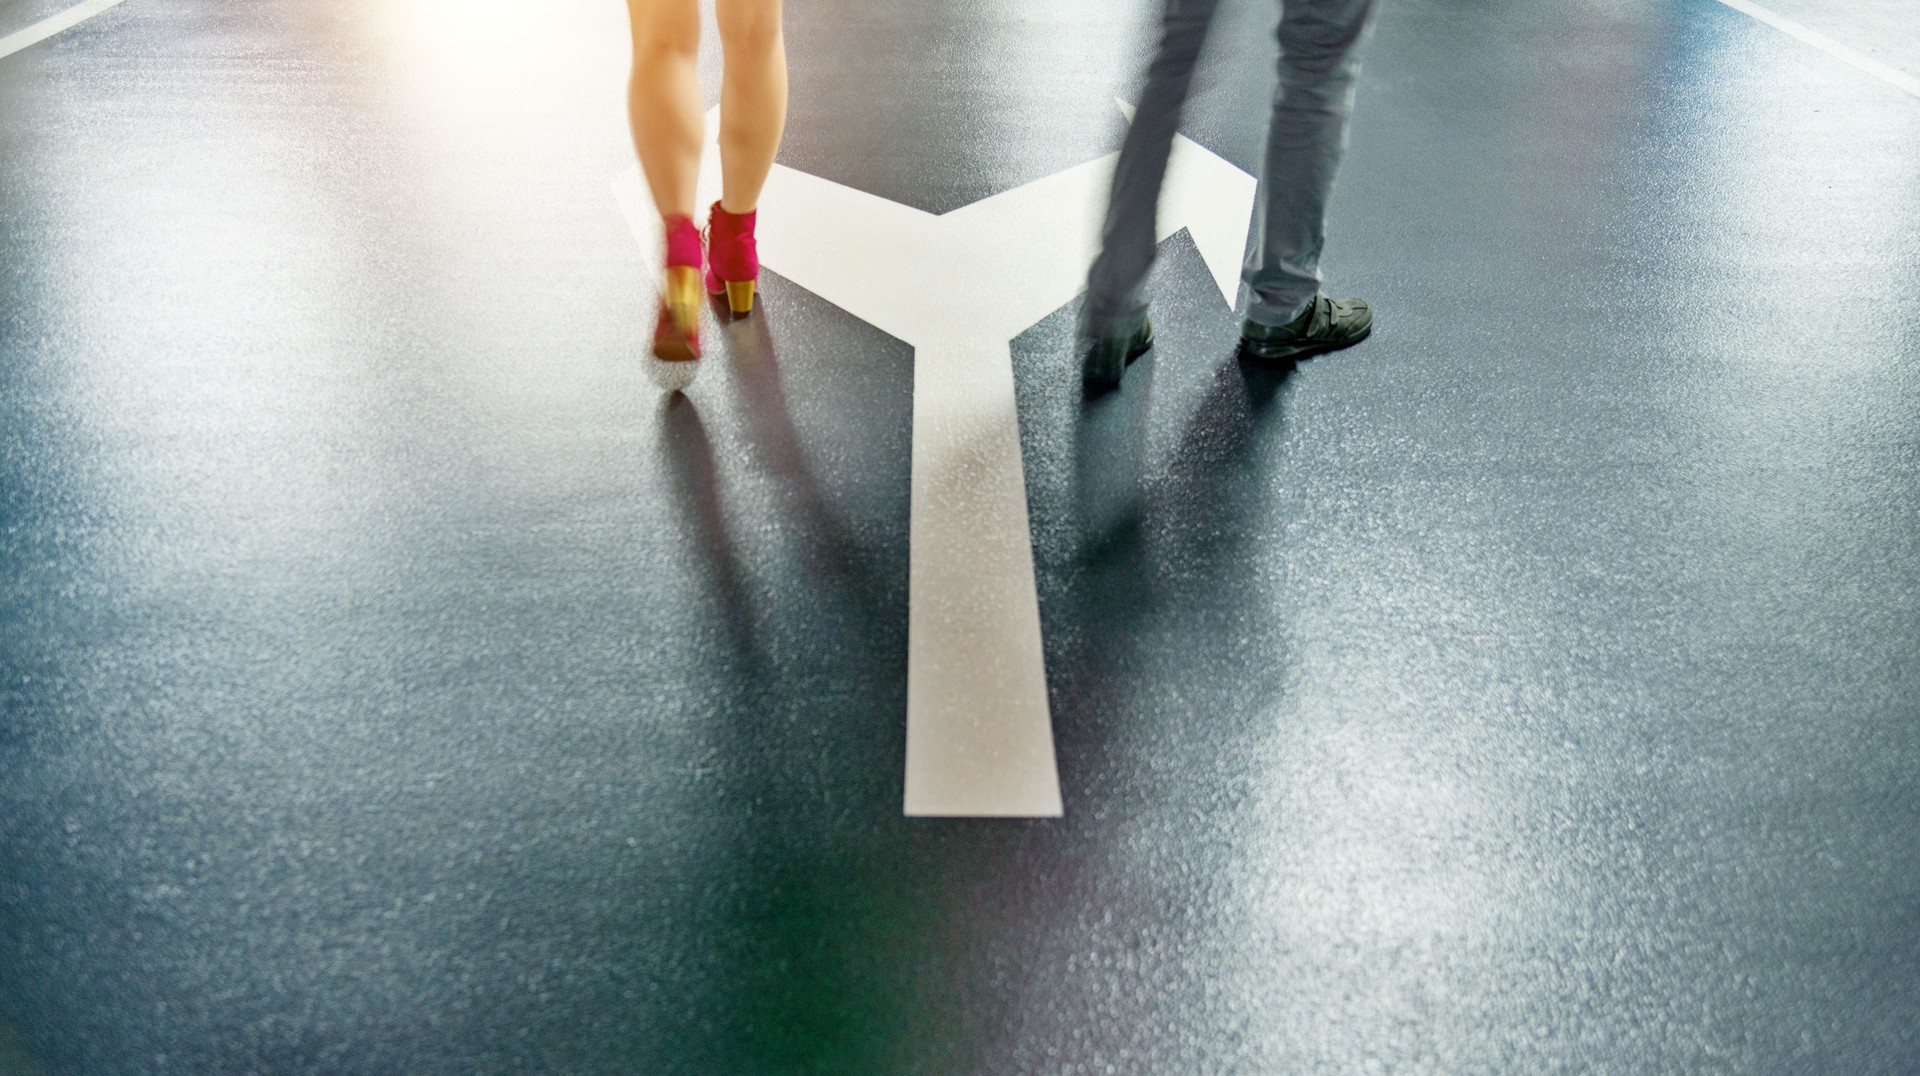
(1305, 140)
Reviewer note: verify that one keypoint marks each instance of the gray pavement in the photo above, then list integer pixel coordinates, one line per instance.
(395, 680)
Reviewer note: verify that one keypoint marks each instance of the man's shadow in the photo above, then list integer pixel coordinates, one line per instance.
(1117, 482)
(1170, 511)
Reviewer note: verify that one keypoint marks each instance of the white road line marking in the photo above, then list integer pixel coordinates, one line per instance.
(958, 288)
(1889, 75)
(52, 25)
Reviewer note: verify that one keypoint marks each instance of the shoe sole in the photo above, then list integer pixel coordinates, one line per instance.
(1270, 351)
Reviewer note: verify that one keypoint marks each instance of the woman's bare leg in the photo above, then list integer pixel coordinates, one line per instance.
(663, 100)
(753, 98)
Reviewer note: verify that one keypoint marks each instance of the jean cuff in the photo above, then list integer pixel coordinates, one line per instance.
(1264, 315)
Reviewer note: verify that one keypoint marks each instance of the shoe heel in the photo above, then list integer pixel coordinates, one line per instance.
(740, 297)
(683, 297)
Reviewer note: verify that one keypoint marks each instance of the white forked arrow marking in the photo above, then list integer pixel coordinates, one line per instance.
(959, 287)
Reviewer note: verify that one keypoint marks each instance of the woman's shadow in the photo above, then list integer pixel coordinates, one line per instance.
(796, 907)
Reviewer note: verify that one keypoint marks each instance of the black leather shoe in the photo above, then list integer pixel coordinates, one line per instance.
(1107, 356)
(1326, 325)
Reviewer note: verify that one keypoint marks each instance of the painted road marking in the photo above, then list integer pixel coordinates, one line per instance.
(52, 25)
(1889, 75)
(959, 287)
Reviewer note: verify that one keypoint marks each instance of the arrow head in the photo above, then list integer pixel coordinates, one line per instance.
(1213, 200)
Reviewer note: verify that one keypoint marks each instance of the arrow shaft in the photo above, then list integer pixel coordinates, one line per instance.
(979, 733)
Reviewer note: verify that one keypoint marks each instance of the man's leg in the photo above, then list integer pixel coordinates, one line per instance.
(1113, 322)
(1307, 137)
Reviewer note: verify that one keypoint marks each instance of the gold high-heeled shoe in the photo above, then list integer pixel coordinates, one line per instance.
(733, 259)
(676, 335)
